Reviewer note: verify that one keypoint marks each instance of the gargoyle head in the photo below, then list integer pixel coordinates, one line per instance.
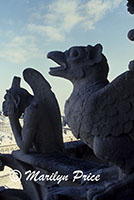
(79, 62)
(16, 99)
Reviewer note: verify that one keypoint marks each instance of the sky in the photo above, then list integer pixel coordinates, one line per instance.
(29, 29)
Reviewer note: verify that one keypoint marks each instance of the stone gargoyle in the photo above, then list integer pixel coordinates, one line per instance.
(130, 6)
(98, 112)
(40, 134)
(42, 119)
(39, 139)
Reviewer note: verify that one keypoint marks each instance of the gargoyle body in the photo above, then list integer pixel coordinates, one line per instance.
(42, 128)
(99, 113)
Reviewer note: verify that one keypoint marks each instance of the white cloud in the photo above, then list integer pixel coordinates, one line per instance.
(52, 22)
(59, 19)
(61, 16)
(20, 49)
(50, 31)
(64, 13)
(116, 2)
(95, 11)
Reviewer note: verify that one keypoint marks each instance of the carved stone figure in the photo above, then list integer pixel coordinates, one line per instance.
(99, 112)
(42, 130)
(130, 6)
(131, 35)
(87, 69)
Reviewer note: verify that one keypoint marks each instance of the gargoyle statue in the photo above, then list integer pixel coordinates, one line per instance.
(130, 8)
(130, 5)
(99, 112)
(42, 128)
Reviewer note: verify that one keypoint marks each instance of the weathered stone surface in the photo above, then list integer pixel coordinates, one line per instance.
(131, 35)
(78, 149)
(12, 194)
(98, 112)
(42, 128)
(60, 162)
(130, 6)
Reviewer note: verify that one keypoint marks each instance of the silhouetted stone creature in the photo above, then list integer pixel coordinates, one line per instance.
(99, 112)
(131, 35)
(41, 132)
(42, 128)
(130, 6)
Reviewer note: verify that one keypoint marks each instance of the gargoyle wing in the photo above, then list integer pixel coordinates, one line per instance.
(113, 107)
(43, 94)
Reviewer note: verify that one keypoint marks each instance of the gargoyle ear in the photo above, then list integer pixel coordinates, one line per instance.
(95, 54)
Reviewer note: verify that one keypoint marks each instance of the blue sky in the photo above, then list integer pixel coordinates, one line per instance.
(29, 29)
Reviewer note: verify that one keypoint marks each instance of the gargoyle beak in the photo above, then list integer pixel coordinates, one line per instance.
(59, 58)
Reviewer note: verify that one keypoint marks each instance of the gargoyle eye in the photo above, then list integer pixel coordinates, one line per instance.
(74, 53)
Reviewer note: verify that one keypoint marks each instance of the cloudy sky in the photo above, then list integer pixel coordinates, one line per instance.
(29, 29)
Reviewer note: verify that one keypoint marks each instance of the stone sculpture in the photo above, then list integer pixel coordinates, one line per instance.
(42, 122)
(130, 5)
(42, 151)
(98, 112)
(87, 69)
(41, 133)
(74, 155)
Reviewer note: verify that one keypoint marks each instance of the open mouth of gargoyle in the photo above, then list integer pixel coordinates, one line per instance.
(59, 58)
(61, 67)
